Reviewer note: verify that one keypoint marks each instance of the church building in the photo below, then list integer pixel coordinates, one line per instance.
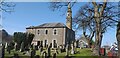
(54, 33)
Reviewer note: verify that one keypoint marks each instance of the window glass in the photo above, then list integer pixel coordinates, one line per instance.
(46, 32)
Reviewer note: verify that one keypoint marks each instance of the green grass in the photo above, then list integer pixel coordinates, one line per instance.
(81, 52)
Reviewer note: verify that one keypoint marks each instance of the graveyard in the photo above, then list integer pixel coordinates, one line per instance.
(80, 52)
(82, 32)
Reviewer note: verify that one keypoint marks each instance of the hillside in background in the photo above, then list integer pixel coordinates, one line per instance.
(4, 36)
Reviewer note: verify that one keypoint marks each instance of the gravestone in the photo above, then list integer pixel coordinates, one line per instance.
(36, 47)
(55, 45)
(75, 48)
(75, 44)
(16, 55)
(38, 43)
(27, 53)
(72, 49)
(81, 44)
(6, 45)
(67, 49)
(49, 50)
(64, 48)
(33, 52)
(37, 56)
(8, 49)
(41, 49)
(44, 54)
(41, 43)
(60, 47)
(56, 51)
(54, 55)
(32, 46)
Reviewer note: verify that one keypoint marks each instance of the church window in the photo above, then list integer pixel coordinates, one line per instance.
(38, 31)
(55, 32)
(46, 32)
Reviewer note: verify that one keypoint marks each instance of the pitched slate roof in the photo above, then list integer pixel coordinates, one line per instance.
(48, 25)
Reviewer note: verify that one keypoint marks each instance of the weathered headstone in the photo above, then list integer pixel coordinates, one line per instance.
(67, 49)
(8, 49)
(60, 47)
(15, 45)
(41, 43)
(27, 53)
(41, 49)
(54, 55)
(75, 48)
(72, 49)
(55, 45)
(49, 50)
(44, 54)
(32, 46)
(36, 47)
(37, 56)
(56, 51)
(16, 55)
(33, 52)
(6, 44)
(81, 44)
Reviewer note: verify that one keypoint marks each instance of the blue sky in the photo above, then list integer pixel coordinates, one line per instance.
(32, 14)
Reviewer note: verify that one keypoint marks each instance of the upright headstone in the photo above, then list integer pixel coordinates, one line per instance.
(36, 47)
(37, 56)
(44, 54)
(67, 49)
(16, 55)
(60, 47)
(49, 50)
(72, 49)
(41, 49)
(54, 55)
(6, 44)
(15, 46)
(63, 49)
(41, 43)
(75, 44)
(33, 52)
(56, 51)
(27, 53)
(8, 49)
(75, 48)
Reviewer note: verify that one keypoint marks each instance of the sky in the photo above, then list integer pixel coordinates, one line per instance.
(35, 13)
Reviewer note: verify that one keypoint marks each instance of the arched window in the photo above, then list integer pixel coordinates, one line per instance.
(38, 31)
(46, 32)
(55, 31)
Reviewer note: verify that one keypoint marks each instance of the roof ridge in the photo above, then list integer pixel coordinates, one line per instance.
(54, 24)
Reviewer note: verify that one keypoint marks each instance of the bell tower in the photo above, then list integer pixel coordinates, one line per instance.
(69, 17)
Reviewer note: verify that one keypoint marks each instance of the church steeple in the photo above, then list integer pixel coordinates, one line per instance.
(69, 17)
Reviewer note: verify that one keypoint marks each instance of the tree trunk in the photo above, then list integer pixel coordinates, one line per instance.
(118, 48)
(118, 38)
(98, 39)
(89, 43)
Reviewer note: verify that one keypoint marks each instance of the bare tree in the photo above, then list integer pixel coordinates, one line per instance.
(5, 7)
(96, 17)
(118, 38)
